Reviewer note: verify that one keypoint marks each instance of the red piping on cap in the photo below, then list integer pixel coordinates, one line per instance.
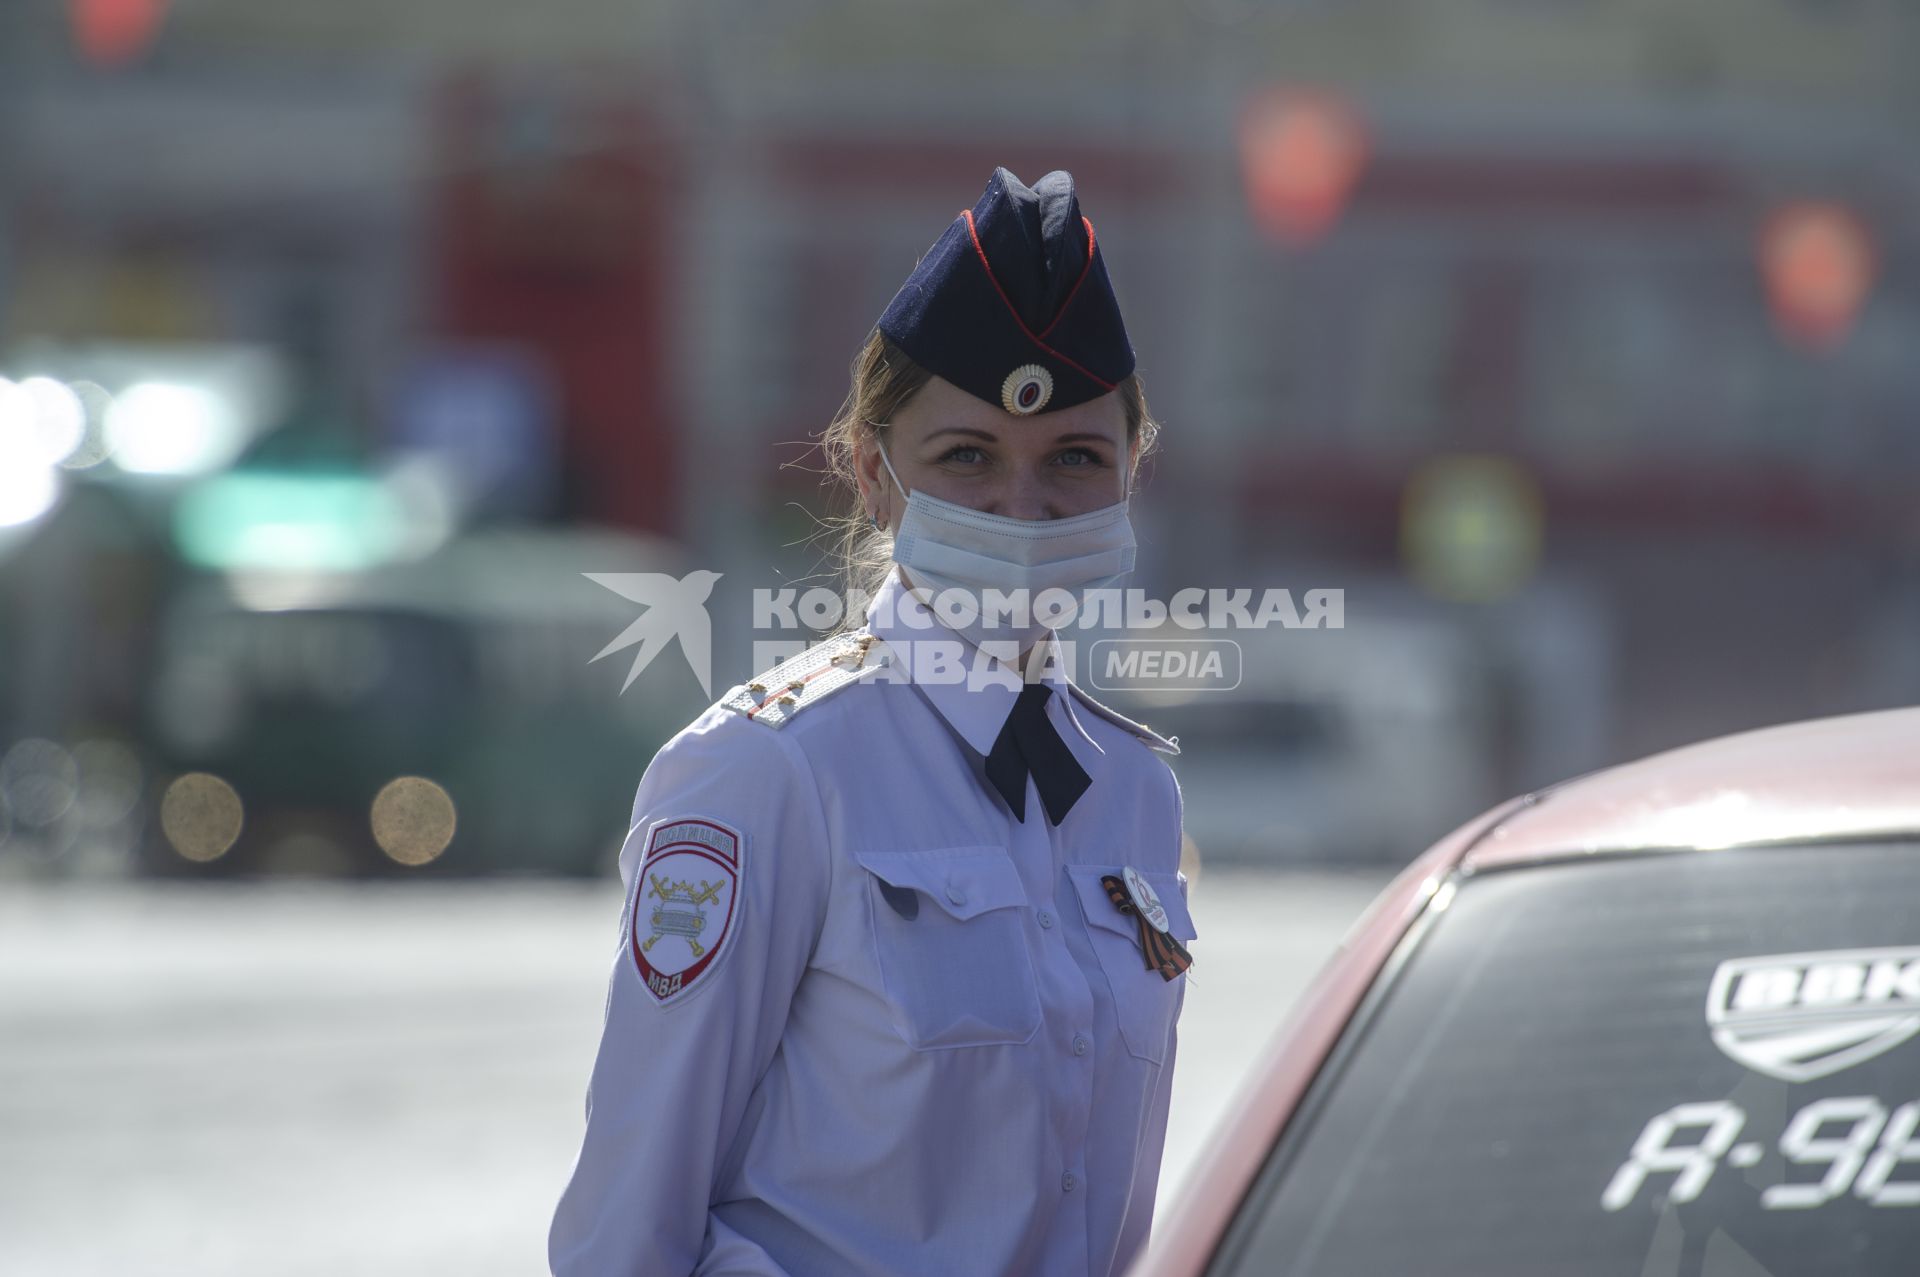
(982, 253)
(1076, 283)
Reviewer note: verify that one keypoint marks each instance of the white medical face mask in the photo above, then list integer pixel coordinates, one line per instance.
(947, 547)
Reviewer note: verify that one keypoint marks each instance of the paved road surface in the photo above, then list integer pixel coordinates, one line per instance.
(257, 1081)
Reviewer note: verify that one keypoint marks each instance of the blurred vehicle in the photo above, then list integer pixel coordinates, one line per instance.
(1281, 761)
(1283, 768)
(308, 696)
(1654, 1020)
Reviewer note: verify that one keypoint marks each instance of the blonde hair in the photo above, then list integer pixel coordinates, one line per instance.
(885, 380)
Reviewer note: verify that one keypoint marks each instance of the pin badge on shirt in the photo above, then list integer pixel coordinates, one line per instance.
(1132, 894)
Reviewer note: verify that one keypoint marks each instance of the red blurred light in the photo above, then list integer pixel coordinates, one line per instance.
(1300, 155)
(114, 32)
(1817, 261)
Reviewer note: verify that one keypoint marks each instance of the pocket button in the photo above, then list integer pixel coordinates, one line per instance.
(956, 895)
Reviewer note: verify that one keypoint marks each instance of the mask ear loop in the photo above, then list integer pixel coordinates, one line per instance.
(879, 426)
(889, 464)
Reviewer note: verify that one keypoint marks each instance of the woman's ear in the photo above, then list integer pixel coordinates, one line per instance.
(866, 473)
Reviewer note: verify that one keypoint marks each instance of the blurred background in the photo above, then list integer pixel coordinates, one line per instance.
(1579, 343)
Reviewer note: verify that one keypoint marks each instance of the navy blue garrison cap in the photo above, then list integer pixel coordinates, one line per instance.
(1013, 304)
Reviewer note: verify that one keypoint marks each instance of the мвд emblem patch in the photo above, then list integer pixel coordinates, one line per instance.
(686, 896)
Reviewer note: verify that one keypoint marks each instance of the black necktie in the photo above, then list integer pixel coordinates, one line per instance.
(1029, 745)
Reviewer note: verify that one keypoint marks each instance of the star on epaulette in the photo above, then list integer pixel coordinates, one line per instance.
(776, 696)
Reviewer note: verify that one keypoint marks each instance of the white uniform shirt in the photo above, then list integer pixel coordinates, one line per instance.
(922, 1039)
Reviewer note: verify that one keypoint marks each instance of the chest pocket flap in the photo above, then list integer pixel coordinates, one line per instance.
(951, 946)
(963, 882)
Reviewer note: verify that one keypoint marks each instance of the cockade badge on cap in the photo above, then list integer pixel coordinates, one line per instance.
(1026, 389)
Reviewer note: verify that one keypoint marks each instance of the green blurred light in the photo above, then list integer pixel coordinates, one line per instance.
(1471, 527)
(289, 521)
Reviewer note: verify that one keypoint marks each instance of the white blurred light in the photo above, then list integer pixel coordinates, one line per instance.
(28, 489)
(58, 420)
(430, 499)
(94, 403)
(28, 486)
(16, 417)
(160, 427)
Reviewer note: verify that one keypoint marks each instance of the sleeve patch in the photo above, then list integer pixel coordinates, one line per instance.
(686, 903)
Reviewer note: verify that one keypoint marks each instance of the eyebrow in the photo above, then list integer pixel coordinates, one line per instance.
(1078, 436)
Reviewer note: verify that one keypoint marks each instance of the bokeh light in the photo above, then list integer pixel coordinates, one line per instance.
(201, 816)
(1300, 155)
(317, 522)
(110, 779)
(16, 417)
(56, 419)
(413, 820)
(37, 430)
(1471, 527)
(165, 428)
(39, 780)
(95, 403)
(1818, 264)
(27, 491)
(112, 33)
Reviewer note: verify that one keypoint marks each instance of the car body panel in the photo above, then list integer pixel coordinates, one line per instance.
(1854, 776)
(1186, 1240)
(1839, 778)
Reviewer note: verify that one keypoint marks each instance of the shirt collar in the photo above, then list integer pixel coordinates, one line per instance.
(974, 705)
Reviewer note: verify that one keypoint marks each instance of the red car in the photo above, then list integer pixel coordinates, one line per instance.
(1655, 1020)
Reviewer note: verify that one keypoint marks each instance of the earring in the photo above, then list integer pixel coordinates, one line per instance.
(877, 525)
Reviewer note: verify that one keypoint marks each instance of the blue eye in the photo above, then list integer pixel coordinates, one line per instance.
(1079, 457)
(953, 453)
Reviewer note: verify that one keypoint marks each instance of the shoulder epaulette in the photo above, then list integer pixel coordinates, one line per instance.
(773, 698)
(1147, 736)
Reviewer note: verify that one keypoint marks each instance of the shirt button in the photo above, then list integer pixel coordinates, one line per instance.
(1079, 1044)
(1046, 919)
(956, 895)
(1068, 1182)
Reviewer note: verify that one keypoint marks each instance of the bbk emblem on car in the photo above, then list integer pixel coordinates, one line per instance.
(1800, 1016)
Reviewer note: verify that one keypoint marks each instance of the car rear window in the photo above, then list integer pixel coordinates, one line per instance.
(1699, 1064)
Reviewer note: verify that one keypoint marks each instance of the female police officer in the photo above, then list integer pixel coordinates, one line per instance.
(903, 945)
